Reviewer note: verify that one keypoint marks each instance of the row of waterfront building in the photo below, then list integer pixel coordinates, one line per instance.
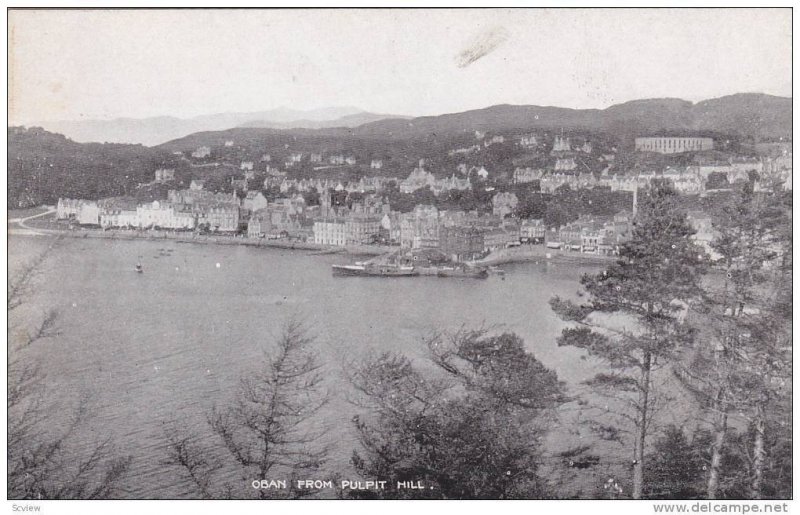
(367, 221)
(159, 214)
(458, 234)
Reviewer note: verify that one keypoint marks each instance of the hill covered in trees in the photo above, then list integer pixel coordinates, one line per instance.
(43, 166)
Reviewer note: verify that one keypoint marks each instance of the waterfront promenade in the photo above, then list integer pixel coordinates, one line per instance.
(521, 254)
(22, 227)
(539, 253)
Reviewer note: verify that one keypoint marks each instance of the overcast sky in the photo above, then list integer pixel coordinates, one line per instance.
(68, 65)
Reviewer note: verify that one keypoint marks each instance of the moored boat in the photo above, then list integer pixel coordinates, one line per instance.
(348, 270)
(473, 272)
(374, 270)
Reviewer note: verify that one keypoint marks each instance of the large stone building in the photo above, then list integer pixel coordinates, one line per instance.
(496, 238)
(417, 179)
(276, 219)
(351, 229)
(118, 212)
(361, 229)
(218, 218)
(420, 228)
(532, 231)
(461, 243)
(525, 175)
(673, 145)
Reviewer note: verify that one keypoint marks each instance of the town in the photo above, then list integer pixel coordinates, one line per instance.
(265, 201)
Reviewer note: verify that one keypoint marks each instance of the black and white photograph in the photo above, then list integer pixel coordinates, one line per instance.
(332, 254)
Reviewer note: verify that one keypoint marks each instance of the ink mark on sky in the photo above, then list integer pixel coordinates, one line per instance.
(483, 44)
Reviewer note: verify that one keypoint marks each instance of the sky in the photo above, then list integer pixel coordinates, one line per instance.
(71, 65)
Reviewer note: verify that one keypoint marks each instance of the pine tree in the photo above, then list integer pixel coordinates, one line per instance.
(675, 467)
(719, 372)
(656, 275)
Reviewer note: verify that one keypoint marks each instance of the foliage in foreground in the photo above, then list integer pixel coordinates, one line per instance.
(470, 429)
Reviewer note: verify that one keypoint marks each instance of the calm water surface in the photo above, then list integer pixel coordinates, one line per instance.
(167, 345)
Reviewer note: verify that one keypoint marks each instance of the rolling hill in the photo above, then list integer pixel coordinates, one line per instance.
(756, 116)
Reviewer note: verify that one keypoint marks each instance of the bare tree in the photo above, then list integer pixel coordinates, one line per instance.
(43, 465)
(269, 431)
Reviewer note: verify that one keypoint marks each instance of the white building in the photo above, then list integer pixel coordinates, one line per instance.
(68, 208)
(532, 231)
(561, 144)
(89, 213)
(254, 200)
(673, 145)
(493, 140)
(127, 218)
(330, 231)
(163, 215)
(525, 175)
(201, 152)
(165, 175)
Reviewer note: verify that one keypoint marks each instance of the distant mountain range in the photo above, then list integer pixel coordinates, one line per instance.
(156, 130)
(351, 120)
(745, 115)
(751, 116)
(748, 115)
